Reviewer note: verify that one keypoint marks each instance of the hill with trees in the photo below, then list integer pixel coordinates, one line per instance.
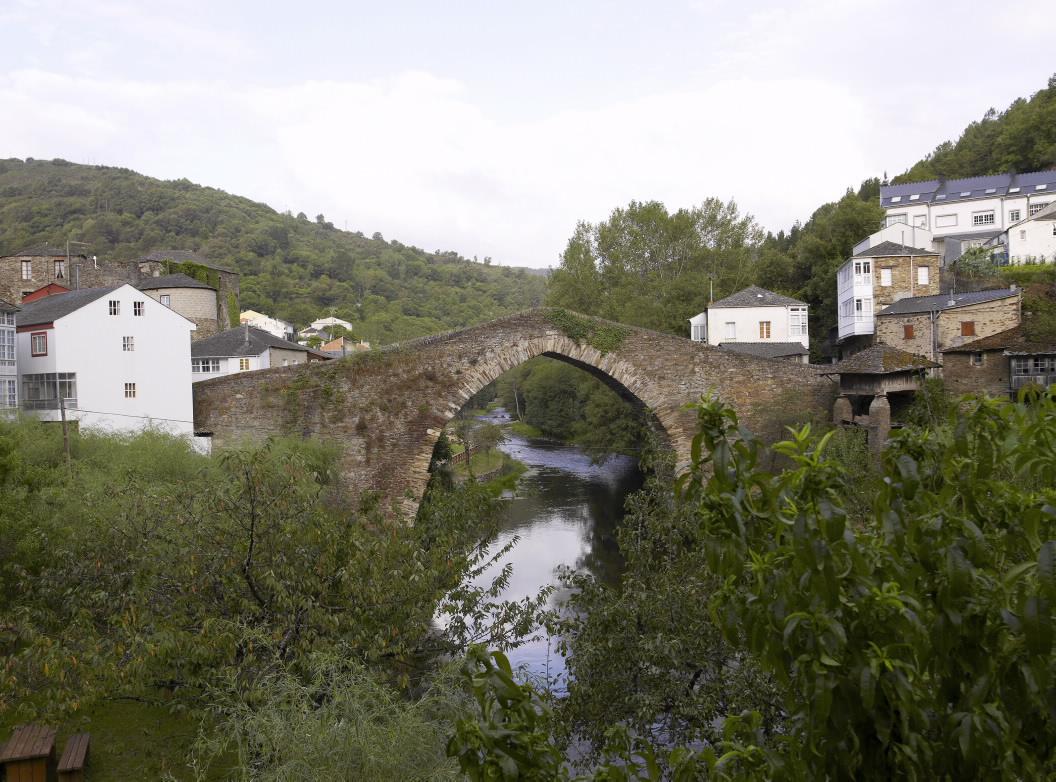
(292, 267)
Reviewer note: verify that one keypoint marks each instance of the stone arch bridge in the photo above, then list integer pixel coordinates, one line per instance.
(386, 409)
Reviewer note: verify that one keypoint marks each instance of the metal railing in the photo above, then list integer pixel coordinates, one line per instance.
(1043, 380)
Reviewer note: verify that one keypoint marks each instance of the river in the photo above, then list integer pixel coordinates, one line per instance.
(565, 512)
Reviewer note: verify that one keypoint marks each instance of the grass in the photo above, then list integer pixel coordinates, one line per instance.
(131, 740)
(525, 430)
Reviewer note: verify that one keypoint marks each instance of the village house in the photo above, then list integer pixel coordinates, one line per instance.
(1031, 240)
(1000, 365)
(755, 321)
(879, 274)
(964, 213)
(274, 326)
(927, 325)
(110, 358)
(342, 346)
(8, 358)
(195, 300)
(323, 328)
(244, 349)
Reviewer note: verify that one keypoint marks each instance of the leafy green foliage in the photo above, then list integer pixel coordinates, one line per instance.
(603, 337)
(294, 269)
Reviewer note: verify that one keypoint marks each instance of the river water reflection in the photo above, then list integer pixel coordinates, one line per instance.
(565, 512)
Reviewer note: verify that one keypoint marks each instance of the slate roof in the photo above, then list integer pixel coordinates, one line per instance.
(173, 281)
(950, 190)
(39, 250)
(51, 308)
(944, 301)
(241, 341)
(1013, 341)
(6, 306)
(754, 296)
(184, 256)
(879, 360)
(892, 249)
(766, 349)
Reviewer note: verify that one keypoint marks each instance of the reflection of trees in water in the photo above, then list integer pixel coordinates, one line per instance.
(606, 507)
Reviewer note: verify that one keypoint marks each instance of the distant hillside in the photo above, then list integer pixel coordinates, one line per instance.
(292, 267)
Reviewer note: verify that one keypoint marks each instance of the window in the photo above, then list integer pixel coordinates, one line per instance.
(1013, 215)
(731, 330)
(137, 309)
(923, 275)
(243, 364)
(128, 344)
(1020, 366)
(945, 221)
(915, 197)
(115, 307)
(38, 343)
(7, 347)
(1040, 187)
(907, 331)
(199, 365)
(798, 321)
(764, 329)
(8, 393)
(130, 390)
(166, 299)
(885, 278)
(862, 268)
(27, 270)
(1022, 236)
(863, 309)
(977, 359)
(60, 270)
(1044, 365)
(983, 218)
(896, 199)
(920, 221)
(43, 391)
(1032, 210)
(967, 328)
(896, 219)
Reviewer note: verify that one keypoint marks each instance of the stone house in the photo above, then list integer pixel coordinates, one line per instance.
(224, 281)
(195, 300)
(1000, 365)
(926, 325)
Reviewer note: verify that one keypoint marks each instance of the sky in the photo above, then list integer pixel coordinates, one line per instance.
(493, 128)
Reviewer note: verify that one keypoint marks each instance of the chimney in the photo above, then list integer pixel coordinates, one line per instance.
(245, 328)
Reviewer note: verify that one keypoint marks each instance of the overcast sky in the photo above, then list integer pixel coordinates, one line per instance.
(490, 130)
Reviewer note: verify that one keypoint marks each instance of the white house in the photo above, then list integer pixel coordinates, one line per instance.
(274, 326)
(1031, 240)
(752, 318)
(963, 213)
(115, 358)
(243, 349)
(8, 358)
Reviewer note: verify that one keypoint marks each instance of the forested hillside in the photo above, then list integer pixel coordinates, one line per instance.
(293, 267)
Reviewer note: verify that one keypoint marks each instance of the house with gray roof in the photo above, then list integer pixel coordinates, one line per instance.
(8, 358)
(245, 349)
(199, 301)
(757, 322)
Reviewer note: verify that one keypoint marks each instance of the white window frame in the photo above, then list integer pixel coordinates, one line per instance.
(205, 366)
(165, 299)
(26, 270)
(920, 221)
(38, 343)
(983, 218)
(885, 278)
(946, 221)
(898, 219)
(138, 307)
(128, 344)
(797, 321)
(923, 275)
(243, 365)
(114, 306)
(1013, 215)
(765, 329)
(130, 390)
(730, 331)
(1033, 209)
(60, 269)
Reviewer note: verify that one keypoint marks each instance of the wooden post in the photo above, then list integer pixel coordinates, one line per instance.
(65, 433)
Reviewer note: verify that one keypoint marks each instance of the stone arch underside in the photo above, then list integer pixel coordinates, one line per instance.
(385, 410)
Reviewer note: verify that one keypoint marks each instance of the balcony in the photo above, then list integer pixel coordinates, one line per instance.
(854, 325)
(70, 403)
(1042, 381)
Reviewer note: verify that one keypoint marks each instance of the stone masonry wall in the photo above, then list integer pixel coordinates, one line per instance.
(989, 318)
(386, 408)
(903, 280)
(963, 377)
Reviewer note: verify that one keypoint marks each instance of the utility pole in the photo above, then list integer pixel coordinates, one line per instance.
(65, 430)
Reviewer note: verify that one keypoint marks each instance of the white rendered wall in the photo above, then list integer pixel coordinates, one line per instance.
(1034, 239)
(88, 342)
(937, 216)
(746, 320)
(230, 365)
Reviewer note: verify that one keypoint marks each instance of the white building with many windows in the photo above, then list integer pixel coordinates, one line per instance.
(750, 319)
(1031, 240)
(244, 349)
(963, 213)
(8, 358)
(113, 358)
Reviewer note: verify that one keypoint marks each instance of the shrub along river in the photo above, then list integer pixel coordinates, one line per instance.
(565, 512)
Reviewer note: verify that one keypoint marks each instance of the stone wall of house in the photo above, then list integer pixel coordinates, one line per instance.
(194, 303)
(78, 272)
(990, 377)
(290, 357)
(904, 278)
(989, 318)
(386, 408)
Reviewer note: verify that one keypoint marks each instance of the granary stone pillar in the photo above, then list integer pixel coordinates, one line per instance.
(879, 423)
(842, 411)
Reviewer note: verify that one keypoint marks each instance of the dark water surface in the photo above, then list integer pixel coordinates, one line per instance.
(565, 513)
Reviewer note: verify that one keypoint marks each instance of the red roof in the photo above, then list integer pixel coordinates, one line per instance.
(51, 289)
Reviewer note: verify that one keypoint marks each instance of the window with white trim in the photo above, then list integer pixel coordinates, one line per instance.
(1013, 215)
(166, 299)
(923, 275)
(885, 278)
(128, 344)
(114, 307)
(945, 221)
(7, 347)
(730, 330)
(130, 390)
(797, 321)
(38, 343)
(204, 365)
(764, 329)
(977, 359)
(983, 218)
(1033, 209)
(897, 219)
(243, 364)
(137, 309)
(920, 221)
(27, 270)
(8, 393)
